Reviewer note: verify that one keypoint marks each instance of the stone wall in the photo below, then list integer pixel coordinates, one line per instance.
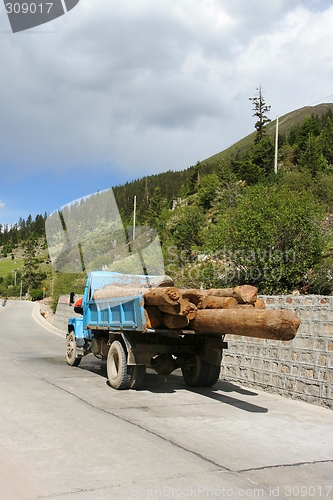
(299, 369)
(63, 312)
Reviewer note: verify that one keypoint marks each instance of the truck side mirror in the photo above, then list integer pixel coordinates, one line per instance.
(71, 298)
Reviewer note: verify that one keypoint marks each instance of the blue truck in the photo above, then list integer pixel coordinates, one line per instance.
(116, 330)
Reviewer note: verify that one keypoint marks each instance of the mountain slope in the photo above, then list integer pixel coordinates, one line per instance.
(285, 123)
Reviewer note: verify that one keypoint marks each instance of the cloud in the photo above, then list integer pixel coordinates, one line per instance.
(2, 205)
(149, 86)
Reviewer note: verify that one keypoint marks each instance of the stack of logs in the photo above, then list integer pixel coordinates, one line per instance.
(236, 311)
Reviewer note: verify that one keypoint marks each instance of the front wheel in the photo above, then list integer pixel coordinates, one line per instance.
(116, 365)
(71, 351)
(137, 376)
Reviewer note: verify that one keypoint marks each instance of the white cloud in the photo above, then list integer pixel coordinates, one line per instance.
(148, 86)
(2, 205)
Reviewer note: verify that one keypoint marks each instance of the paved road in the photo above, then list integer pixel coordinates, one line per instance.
(66, 435)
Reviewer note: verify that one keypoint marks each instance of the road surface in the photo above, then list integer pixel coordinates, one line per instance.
(66, 435)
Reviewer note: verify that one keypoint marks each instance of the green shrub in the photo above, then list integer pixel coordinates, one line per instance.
(321, 278)
(36, 294)
(272, 237)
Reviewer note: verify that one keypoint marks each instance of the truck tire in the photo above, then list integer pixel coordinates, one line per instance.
(196, 374)
(137, 377)
(213, 375)
(71, 358)
(116, 365)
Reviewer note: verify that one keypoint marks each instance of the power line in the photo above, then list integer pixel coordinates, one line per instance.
(320, 100)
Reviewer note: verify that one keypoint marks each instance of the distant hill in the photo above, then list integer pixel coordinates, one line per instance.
(171, 183)
(285, 123)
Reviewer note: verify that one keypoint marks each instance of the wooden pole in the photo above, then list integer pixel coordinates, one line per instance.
(276, 145)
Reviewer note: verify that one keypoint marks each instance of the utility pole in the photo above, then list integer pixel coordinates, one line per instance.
(276, 145)
(134, 218)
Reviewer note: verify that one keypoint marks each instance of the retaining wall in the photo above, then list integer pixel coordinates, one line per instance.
(299, 369)
(63, 312)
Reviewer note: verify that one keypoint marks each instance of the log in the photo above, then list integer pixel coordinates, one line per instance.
(260, 304)
(152, 296)
(197, 297)
(173, 322)
(245, 294)
(162, 296)
(221, 302)
(193, 312)
(182, 308)
(265, 324)
(153, 317)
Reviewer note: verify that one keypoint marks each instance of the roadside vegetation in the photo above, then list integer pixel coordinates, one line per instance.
(227, 221)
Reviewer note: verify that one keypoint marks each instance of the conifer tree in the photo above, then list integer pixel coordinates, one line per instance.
(260, 109)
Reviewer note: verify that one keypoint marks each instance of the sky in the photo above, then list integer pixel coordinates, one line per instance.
(116, 90)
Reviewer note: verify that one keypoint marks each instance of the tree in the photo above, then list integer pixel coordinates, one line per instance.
(272, 236)
(326, 140)
(260, 109)
(31, 277)
(312, 157)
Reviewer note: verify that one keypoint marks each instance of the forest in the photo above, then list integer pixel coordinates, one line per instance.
(220, 223)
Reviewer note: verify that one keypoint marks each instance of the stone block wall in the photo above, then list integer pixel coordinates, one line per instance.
(299, 369)
(63, 312)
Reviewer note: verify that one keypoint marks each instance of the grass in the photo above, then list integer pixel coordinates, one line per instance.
(8, 265)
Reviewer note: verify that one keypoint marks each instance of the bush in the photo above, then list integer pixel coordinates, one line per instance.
(36, 294)
(321, 278)
(272, 236)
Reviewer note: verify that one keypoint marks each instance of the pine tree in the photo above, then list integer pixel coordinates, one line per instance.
(260, 109)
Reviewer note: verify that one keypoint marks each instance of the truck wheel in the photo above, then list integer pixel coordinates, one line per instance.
(213, 375)
(196, 374)
(137, 377)
(71, 358)
(118, 374)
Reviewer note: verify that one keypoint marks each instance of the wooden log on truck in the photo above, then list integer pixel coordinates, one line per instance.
(260, 304)
(197, 297)
(244, 294)
(182, 308)
(162, 296)
(265, 324)
(153, 317)
(193, 312)
(172, 322)
(152, 296)
(221, 302)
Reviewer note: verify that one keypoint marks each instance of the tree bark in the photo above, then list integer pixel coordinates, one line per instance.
(153, 317)
(221, 302)
(183, 308)
(161, 296)
(173, 322)
(260, 304)
(265, 324)
(245, 294)
(197, 297)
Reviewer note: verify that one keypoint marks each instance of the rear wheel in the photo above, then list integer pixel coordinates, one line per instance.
(71, 351)
(137, 376)
(213, 375)
(116, 365)
(196, 374)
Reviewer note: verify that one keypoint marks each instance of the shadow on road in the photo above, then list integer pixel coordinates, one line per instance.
(160, 384)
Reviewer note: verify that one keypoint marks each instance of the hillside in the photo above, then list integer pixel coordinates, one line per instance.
(234, 220)
(294, 118)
